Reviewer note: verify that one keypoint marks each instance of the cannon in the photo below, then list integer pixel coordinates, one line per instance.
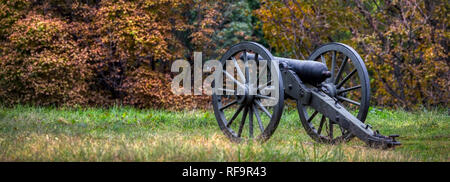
(331, 91)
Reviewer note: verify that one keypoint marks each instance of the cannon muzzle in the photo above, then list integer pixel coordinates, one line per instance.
(311, 72)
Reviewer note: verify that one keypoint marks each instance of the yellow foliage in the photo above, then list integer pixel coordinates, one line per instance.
(404, 43)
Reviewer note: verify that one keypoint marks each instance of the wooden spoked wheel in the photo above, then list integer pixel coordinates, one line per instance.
(349, 85)
(241, 110)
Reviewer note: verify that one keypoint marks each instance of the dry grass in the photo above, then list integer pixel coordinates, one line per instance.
(172, 146)
(126, 134)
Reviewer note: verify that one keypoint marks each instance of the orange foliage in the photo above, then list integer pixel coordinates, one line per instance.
(42, 65)
(91, 52)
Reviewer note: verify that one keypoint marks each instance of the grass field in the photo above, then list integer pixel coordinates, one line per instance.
(127, 134)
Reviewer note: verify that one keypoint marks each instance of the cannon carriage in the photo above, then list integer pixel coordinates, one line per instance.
(331, 91)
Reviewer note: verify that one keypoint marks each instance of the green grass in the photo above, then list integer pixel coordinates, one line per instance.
(128, 134)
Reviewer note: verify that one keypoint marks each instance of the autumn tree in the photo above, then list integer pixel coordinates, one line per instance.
(131, 35)
(90, 52)
(404, 43)
(41, 64)
(295, 28)
(406, 46)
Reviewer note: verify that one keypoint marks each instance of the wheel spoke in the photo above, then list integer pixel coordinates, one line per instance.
(241, 126)
(226, 90)
(233, 79)
(265, 85)
(322, 121)
(247, 74)
(342, 130)
(267, 89)
(265, 97)
(346, 78)
(312, 116)
(263, 109)
(330, 131)
(323, 60)
(228, 105)
(257, 70)
(341, 69)
(261, 126)
(333, 64)
(235, 115)
(349, 89)
(348, 100)
(238, 68)
(250, 122)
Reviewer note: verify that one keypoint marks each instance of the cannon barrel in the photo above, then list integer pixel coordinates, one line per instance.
(312, 72)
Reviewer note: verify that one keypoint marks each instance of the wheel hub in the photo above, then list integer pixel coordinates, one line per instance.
(246, 98)
(329, 89)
